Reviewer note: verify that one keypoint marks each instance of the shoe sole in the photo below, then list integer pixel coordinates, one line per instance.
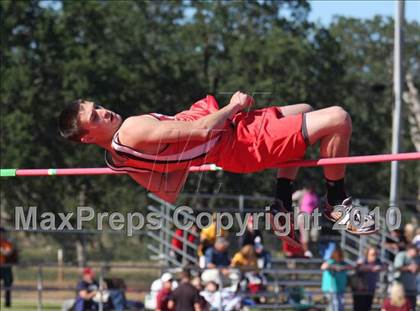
(285, 238)
(363, 233)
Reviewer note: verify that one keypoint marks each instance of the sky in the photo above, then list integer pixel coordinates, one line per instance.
(324, 10)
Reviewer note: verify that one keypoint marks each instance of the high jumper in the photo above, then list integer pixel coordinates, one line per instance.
(157, 150)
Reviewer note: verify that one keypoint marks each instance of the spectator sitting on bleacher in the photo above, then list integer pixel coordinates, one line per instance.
(252, 281)
(112, 295)
(245, 258)
(89, 295)
(407, 264)
(208, 237)
(251, 234)
(87, 289)
(178, 244)
(162, 297)
(299, 298)
(221, 299)
(365, 279)
(291, 251)
(334, 279)
(217, 255)
(263, 256)
(397, 300)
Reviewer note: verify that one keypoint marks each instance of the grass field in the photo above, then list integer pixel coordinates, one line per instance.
(31, 305)
(51, 300)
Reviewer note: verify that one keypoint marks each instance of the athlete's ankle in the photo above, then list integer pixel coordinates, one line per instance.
(336, 191)
(283, 193)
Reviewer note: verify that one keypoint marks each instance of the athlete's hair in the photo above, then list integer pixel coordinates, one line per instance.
(68, 124)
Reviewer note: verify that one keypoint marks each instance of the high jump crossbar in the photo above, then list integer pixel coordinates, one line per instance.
(4, 172)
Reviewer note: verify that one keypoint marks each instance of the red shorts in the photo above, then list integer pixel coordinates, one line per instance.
(261, 139)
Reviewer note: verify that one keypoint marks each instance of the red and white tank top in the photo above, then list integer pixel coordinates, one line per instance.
(175, 156)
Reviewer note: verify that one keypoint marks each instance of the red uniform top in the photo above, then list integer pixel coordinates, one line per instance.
(5, 249)
(178, 243)
(251, 142)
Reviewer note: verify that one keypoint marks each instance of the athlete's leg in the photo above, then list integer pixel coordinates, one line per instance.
(285, 179)
(286, 176)
(332, 127)
(291, 172)
(295, 109)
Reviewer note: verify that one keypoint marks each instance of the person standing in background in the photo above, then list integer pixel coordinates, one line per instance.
(162, 298)
(185, 297)
(367, 275)
(397, 243)
(308, 203)
(7, 257)
(407, 264)
(334, 279)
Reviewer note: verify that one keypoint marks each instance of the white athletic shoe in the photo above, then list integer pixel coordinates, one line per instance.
(350, 217)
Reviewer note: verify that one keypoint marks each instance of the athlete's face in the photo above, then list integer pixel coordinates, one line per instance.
(99, 122)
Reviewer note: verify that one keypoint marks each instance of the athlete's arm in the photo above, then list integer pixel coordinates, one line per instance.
(166, 186)
(146, 130)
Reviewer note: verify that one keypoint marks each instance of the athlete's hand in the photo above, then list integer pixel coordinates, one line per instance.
(241, 101)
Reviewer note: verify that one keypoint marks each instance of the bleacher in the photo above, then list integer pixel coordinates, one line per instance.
(285, 273)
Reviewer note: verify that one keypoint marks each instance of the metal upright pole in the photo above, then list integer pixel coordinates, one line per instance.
(40, 288)
(101, 288)
(398, 76)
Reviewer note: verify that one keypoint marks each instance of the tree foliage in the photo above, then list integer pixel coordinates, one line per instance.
(135, 56)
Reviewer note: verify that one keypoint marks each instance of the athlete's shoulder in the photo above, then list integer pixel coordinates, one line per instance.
(135, 123)
(134, 126)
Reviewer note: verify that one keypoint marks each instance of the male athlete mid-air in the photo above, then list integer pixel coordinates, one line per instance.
(157, 150)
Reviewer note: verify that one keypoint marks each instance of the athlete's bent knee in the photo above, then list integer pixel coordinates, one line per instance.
(341, 118)
(306, 107)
